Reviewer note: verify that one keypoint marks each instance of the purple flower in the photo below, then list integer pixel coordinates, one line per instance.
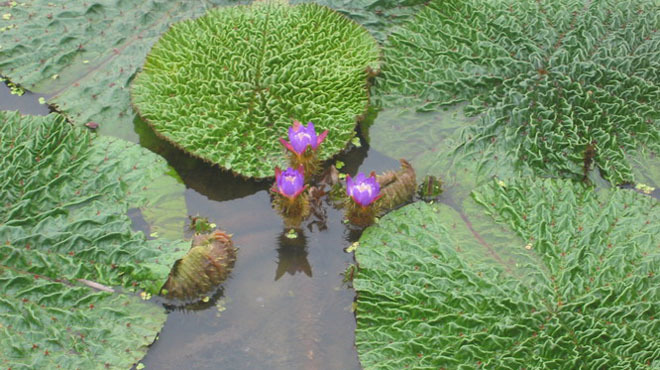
(290, 183)
(300, 137)
(364, 190)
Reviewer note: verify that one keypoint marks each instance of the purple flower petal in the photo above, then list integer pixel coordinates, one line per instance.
(290, 183)
(364, 190)
(300, 137)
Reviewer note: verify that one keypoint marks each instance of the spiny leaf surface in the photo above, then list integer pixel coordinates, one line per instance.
(226, 86)
(553, 76)
(439, 286)
(63, 224)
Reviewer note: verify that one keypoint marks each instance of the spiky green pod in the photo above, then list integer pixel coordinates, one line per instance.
(397, 187)
(309, 160)
(361, 216)
(207, 264)
(293, 211)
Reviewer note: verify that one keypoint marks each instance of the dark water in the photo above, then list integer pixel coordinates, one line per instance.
(285, 305)
(28, 103)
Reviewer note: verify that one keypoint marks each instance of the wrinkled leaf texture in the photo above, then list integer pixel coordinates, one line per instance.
(84, 55)
(579, 288)
(548, 77)
(226, 86)
(65, 193)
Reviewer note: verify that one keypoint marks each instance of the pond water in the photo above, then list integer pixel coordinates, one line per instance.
(285, 305)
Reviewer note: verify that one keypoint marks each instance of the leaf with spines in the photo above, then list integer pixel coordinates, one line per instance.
(550, 79)
(226, 86)
(67, 244)
(574, 284)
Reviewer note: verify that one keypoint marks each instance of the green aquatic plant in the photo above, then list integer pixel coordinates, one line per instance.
(94, 49)
(548, 79)
(290, 198)
(70, 261)
(551, 275)
(225, 86)
(207, 264)
(363, 193)
(69, 258)
(430, 188)
(83, 55)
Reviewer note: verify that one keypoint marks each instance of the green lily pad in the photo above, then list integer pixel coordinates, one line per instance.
(573, 284)
(227, 85)
(68, 256)
(549, 79)
(83, 55)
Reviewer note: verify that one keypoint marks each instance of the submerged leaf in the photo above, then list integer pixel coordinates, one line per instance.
(442, 286)
(234, 80)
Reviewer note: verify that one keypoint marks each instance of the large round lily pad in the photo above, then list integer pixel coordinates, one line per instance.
(552, 77)
(559, 277)
(226, 86)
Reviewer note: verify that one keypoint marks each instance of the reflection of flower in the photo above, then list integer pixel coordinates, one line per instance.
(364, 190)
(292, 255)
(300, 137)
(290, 183)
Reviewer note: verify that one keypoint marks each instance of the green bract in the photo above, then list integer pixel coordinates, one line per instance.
(577, 287)
(550, 77)
(65, 240)
(226, 86)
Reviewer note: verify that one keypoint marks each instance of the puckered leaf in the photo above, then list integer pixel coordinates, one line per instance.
(84, 54)
(233, 81)
(66, 241)
(553, 77)
(575, 287)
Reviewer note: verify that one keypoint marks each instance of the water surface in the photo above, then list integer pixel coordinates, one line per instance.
(285, 305)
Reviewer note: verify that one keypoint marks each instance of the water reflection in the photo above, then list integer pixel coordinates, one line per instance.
(292, 254)
(28, 103)
(209, 180)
